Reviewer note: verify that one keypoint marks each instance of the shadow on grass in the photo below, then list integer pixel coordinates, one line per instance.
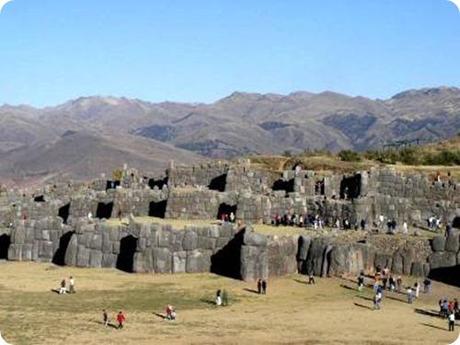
(433, 326)
(111, 325)
(208, 301)
(161, 316)
(428, 313)
(365, 298)
(347, 287)
(303, 282)
(397, 299)
(363, 306)
(251, 290)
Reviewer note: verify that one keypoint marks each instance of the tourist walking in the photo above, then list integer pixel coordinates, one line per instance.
(361, 282)
(170, 313)
(392, 283)
(264, 287)
(218, 298)
(71, 285)
(399, 283)
(259, 286)
(427, 285)
(410, 295)
(121, 318)
(377, 300)
(405, 228)
(105, 317)
(62, 289)
(451, 322)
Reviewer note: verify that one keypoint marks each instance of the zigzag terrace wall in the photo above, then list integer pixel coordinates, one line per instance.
(225, 250)
(64, 223)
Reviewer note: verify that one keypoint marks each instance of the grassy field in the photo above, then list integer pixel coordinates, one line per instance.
(330, 312)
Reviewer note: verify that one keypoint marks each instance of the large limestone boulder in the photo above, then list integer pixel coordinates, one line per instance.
(442, 259)
(190, 241)
(316, 255)
(418, 269)
(95, 258)
(83, 255)
(254, 263)
(254, 239)
(198, 261)
(304, 247)
(453, 241)
(70, 258)
(439, 244)
(398, 263)
(162, 260)
(109, 260)
(179, 262)
(143, 261)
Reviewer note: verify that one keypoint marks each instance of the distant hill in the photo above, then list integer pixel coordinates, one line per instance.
(84, 137)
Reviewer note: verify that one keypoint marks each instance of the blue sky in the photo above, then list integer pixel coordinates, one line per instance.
(192, 50)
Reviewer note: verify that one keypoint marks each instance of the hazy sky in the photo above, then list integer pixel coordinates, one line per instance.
(191, 50)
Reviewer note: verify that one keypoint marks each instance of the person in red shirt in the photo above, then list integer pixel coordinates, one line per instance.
(121, 318)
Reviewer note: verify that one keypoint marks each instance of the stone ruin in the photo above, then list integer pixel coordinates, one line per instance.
(66, 223)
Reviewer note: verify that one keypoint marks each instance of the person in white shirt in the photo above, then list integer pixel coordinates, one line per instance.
(218, 298)
(410, 295)
(417, 289)
(405, 228)
(71, 285)
(451, 319)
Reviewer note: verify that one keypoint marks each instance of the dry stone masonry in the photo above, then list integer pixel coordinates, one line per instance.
(66, 223)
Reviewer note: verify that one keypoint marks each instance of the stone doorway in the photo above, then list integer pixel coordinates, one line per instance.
(104, 210)
(125, 259)
(218, 183)
(5, 241)
(59, 256)
(64, 213)
(157, 209)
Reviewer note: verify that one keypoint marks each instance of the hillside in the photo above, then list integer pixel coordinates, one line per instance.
(440, 158)
(118, 130)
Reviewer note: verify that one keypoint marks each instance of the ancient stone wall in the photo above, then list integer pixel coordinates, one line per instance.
(190, 203)
(412, 198)
(198, 175)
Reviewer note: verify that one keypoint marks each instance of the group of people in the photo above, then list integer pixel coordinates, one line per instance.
(228, 217)
(391, 225)
(221, 298)
(301, 221)
(121, 318)
(170, 314)
(449, 310)
(63, 286)
(434, 223)
(384, 280)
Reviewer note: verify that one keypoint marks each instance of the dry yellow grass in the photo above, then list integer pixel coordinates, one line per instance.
(291, 313)
(326, 164)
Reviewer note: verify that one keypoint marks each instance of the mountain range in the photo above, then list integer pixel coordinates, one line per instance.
(91, 135)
